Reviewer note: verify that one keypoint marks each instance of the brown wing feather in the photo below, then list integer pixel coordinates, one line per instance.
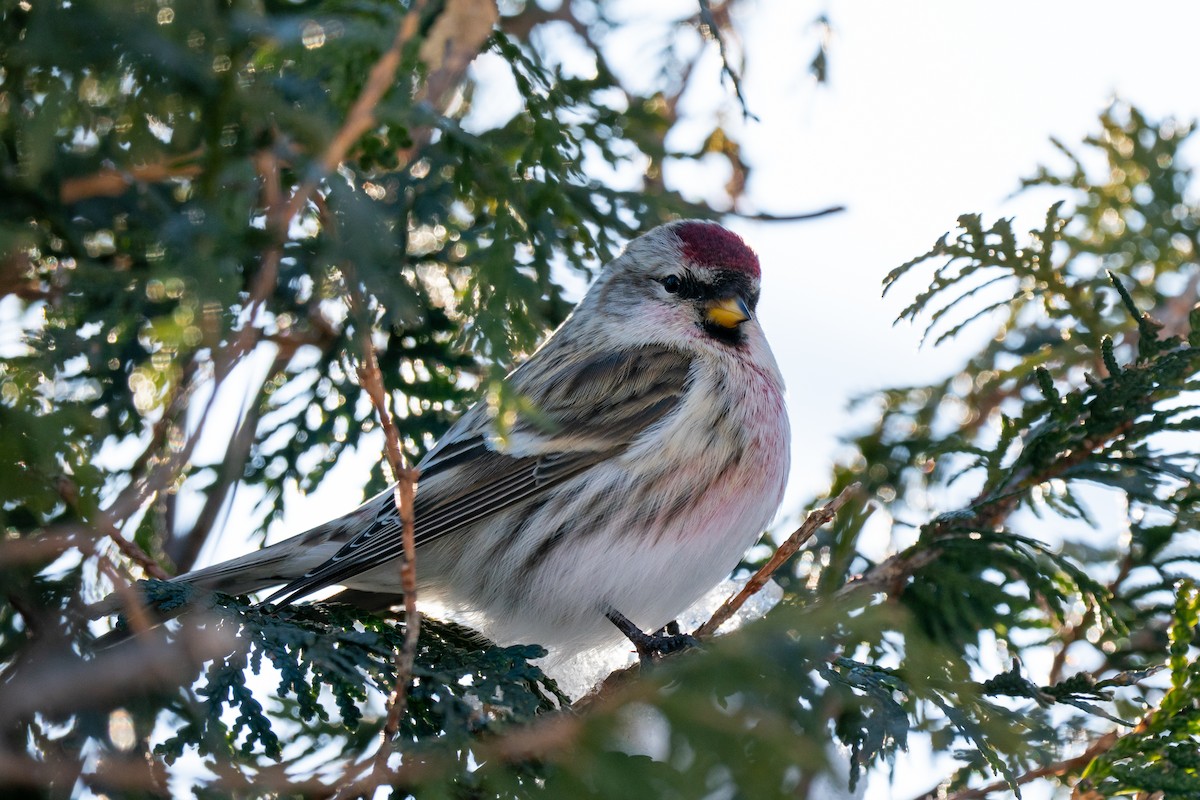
(586, 413)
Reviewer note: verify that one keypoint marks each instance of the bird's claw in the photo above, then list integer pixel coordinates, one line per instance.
(653, 647)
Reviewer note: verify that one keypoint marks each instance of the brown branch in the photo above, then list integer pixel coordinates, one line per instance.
(1058, 768)
(115, 182)
(21, 771)
(39, 550)
(790, 546)
(987, 511)
(362, 114)
(159, 475)
(451, 43)
(132, 774)
(380, 79)
(889, 576)
(17, 277)
(520, 25)
(455, 38)
(63, 683)
(371, 379)
(184, 550)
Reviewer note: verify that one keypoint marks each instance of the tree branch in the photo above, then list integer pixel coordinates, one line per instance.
(790, 546)
(371, 380)
(718, 32)
(184, 550)
(115, 182)
(362, 114)
(66, 683)
(798, 217)
(1101, 745)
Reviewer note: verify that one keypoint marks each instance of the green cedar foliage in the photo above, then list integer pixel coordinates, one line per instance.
(1067, 447)
(146, 267)
(144, 150)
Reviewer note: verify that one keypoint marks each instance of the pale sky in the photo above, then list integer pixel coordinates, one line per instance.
(934, 109)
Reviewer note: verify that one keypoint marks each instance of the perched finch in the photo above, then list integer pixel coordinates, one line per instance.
(654, 454)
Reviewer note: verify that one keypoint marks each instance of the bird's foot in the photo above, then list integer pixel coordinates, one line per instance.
(652, 647)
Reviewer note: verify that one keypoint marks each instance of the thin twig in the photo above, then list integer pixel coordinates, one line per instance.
(371, 380)
(988, 510)
(708, 19)
(132, 604)
(184, 550)
(790, 546)
(1101, 745)
(362, 114)
(115, 182)
(159, 476)
(890, 575)
(798, 217)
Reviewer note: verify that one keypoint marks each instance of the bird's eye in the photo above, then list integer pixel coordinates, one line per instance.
(672, 284)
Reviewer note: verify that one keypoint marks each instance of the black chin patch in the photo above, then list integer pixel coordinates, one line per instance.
(730, 336)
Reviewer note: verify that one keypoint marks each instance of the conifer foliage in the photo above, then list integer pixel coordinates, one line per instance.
(213, 213)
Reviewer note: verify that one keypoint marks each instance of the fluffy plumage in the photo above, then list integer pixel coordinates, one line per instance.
(657, 455)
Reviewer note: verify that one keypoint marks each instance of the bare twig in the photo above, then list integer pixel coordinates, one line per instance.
(65, 683)
(718, 32)
(114, 182)
(890, 575)
(184, 549)
(790, 546)
(1101, 745)
(799, 217)
(371, 380)
(362, 114)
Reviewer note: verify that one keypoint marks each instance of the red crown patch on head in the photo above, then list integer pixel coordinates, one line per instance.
(710, 245)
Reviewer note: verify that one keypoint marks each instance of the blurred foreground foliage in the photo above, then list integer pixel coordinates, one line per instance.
(180, 235)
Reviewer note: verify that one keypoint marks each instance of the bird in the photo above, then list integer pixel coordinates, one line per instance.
(649, 451)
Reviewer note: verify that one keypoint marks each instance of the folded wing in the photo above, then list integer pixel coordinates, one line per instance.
(577, 414)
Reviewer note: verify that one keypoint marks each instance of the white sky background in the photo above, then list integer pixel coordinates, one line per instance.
(933, 109)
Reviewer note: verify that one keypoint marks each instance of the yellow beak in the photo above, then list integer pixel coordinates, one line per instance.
(729, 312)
